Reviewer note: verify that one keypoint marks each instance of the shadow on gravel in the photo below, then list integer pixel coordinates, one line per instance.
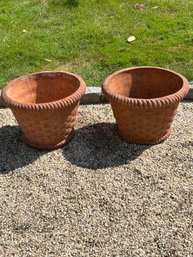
(94, 147)
(14, 153)
(98, 146)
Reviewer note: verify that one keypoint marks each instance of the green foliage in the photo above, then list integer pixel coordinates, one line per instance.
(89, 37)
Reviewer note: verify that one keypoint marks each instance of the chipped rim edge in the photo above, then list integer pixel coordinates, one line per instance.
(146, 103)
(73, 98)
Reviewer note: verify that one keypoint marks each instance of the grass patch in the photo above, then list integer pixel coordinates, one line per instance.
(89, 37)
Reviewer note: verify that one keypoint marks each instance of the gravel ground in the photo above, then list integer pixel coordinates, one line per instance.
(97, 196)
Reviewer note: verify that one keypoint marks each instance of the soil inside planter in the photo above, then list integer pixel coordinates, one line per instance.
(145, 83)
(43, 88)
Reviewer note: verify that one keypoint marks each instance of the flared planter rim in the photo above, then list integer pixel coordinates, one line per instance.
(47, 106)
(144, 103)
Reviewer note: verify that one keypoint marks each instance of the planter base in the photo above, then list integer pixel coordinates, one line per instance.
(50, 147)
(143, 142)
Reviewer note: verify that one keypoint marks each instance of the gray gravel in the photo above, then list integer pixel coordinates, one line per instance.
(97, 196)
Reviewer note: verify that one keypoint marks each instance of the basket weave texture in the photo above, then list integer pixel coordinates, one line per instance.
(144, 102)
(45, 105)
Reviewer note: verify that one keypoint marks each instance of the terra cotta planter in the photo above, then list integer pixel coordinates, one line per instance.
(144, 102)
(45, 105)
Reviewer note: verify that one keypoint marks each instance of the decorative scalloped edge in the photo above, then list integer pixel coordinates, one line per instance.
(152, 103)
(70, 100)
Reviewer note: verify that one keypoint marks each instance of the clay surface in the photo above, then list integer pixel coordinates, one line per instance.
(45, 105)
(144, 102)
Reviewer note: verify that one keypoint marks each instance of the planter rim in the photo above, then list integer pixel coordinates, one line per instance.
(69, 100)
(147, 103)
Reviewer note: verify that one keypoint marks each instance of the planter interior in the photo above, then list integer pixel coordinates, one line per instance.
(145, 83)
(42, 88)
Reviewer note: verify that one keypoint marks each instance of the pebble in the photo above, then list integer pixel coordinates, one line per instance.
(97, 196)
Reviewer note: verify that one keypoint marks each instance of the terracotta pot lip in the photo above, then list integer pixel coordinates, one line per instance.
(146, 102)
(69, 100)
